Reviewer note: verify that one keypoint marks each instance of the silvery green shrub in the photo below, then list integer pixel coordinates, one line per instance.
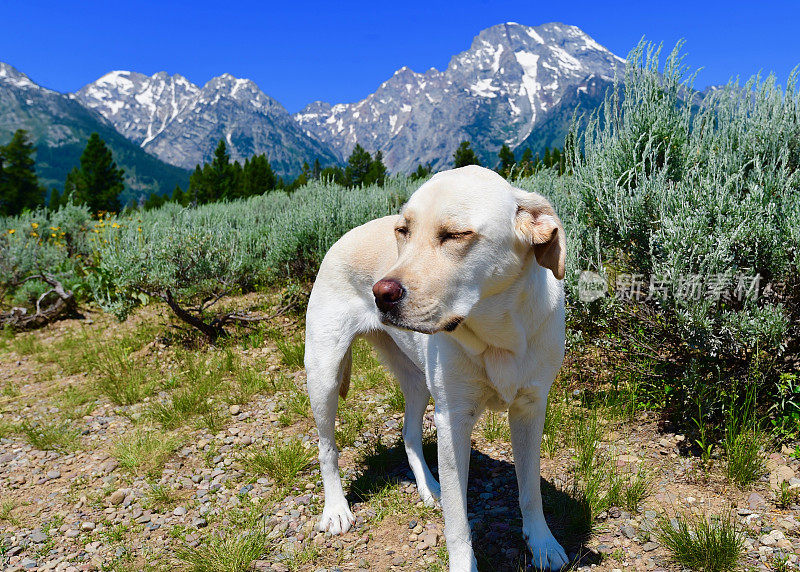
(199, 254)
(668, 184)
(44, 241)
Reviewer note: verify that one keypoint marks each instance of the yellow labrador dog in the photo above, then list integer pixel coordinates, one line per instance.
(461, 295)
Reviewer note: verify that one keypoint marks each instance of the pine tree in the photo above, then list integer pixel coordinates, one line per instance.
(54, 203)
(526, 163)
(421, 172)
(197, 183)
(178, 196)
(464, 155)
(317, 170)
(222, 173)
(334, 175)
(98, 182)
(377, 171)
(507, 161)
(358, 165)
(19, 186)
(259, 177)
(153, 202)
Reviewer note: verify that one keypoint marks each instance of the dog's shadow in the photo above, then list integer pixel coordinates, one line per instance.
(493, 505)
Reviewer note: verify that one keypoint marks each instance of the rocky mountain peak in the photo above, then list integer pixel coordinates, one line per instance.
(495, 92)
(12, 76)
(181, 123)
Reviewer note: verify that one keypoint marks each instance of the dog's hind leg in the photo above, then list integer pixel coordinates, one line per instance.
(416, 394)
(327, 361)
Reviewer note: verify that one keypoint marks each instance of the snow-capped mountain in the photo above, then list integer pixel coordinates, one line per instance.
(59, 127)
(516, 84)
(181, 123)
(139, 106)
(496, 92)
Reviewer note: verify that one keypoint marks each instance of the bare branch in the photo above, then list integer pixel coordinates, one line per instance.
(19, 318)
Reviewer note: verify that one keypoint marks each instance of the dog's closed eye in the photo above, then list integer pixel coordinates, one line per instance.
(446, 235)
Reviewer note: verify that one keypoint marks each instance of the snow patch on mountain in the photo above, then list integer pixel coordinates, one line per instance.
(12, 76)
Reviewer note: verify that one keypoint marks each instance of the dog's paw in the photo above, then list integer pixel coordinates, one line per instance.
(546, 552)
(430, 495)
(336, 519)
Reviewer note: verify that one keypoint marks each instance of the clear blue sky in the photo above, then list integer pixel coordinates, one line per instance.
(301, 51)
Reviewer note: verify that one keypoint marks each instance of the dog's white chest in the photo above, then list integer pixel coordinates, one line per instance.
(504, 372)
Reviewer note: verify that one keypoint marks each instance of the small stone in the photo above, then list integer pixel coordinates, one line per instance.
(628, 531)
(756, 502)
(88, 525)
(117, 497)
(650, 546)
(781, 474)
(199, 523)
(179, 511)
(53, 474)
(37, 536)
(235, 409)
(109, 466)
(398, 561)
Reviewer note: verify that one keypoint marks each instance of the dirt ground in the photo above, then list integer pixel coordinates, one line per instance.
(80, 505)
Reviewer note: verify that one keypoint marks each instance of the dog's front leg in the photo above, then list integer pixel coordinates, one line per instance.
(526, 419)
(454, 424)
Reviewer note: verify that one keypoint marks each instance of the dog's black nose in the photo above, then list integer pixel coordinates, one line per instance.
(388, 293)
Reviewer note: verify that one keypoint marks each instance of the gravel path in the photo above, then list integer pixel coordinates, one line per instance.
(79, 509)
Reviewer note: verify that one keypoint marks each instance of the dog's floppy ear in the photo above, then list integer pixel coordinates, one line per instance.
(538, 225)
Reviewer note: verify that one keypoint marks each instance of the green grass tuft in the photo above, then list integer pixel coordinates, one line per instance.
(233, 550)
(291, 353)
(395, 399)
(495, 426)
(352, 422)
(715, 545)
(144, 452)
(50, 437)
(283, 462)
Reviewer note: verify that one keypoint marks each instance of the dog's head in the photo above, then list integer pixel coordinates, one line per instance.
(464, 235)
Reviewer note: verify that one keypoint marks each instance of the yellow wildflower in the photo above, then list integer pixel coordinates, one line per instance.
(34, 234)
(52, 234)
(34, 225)
(11, 231)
